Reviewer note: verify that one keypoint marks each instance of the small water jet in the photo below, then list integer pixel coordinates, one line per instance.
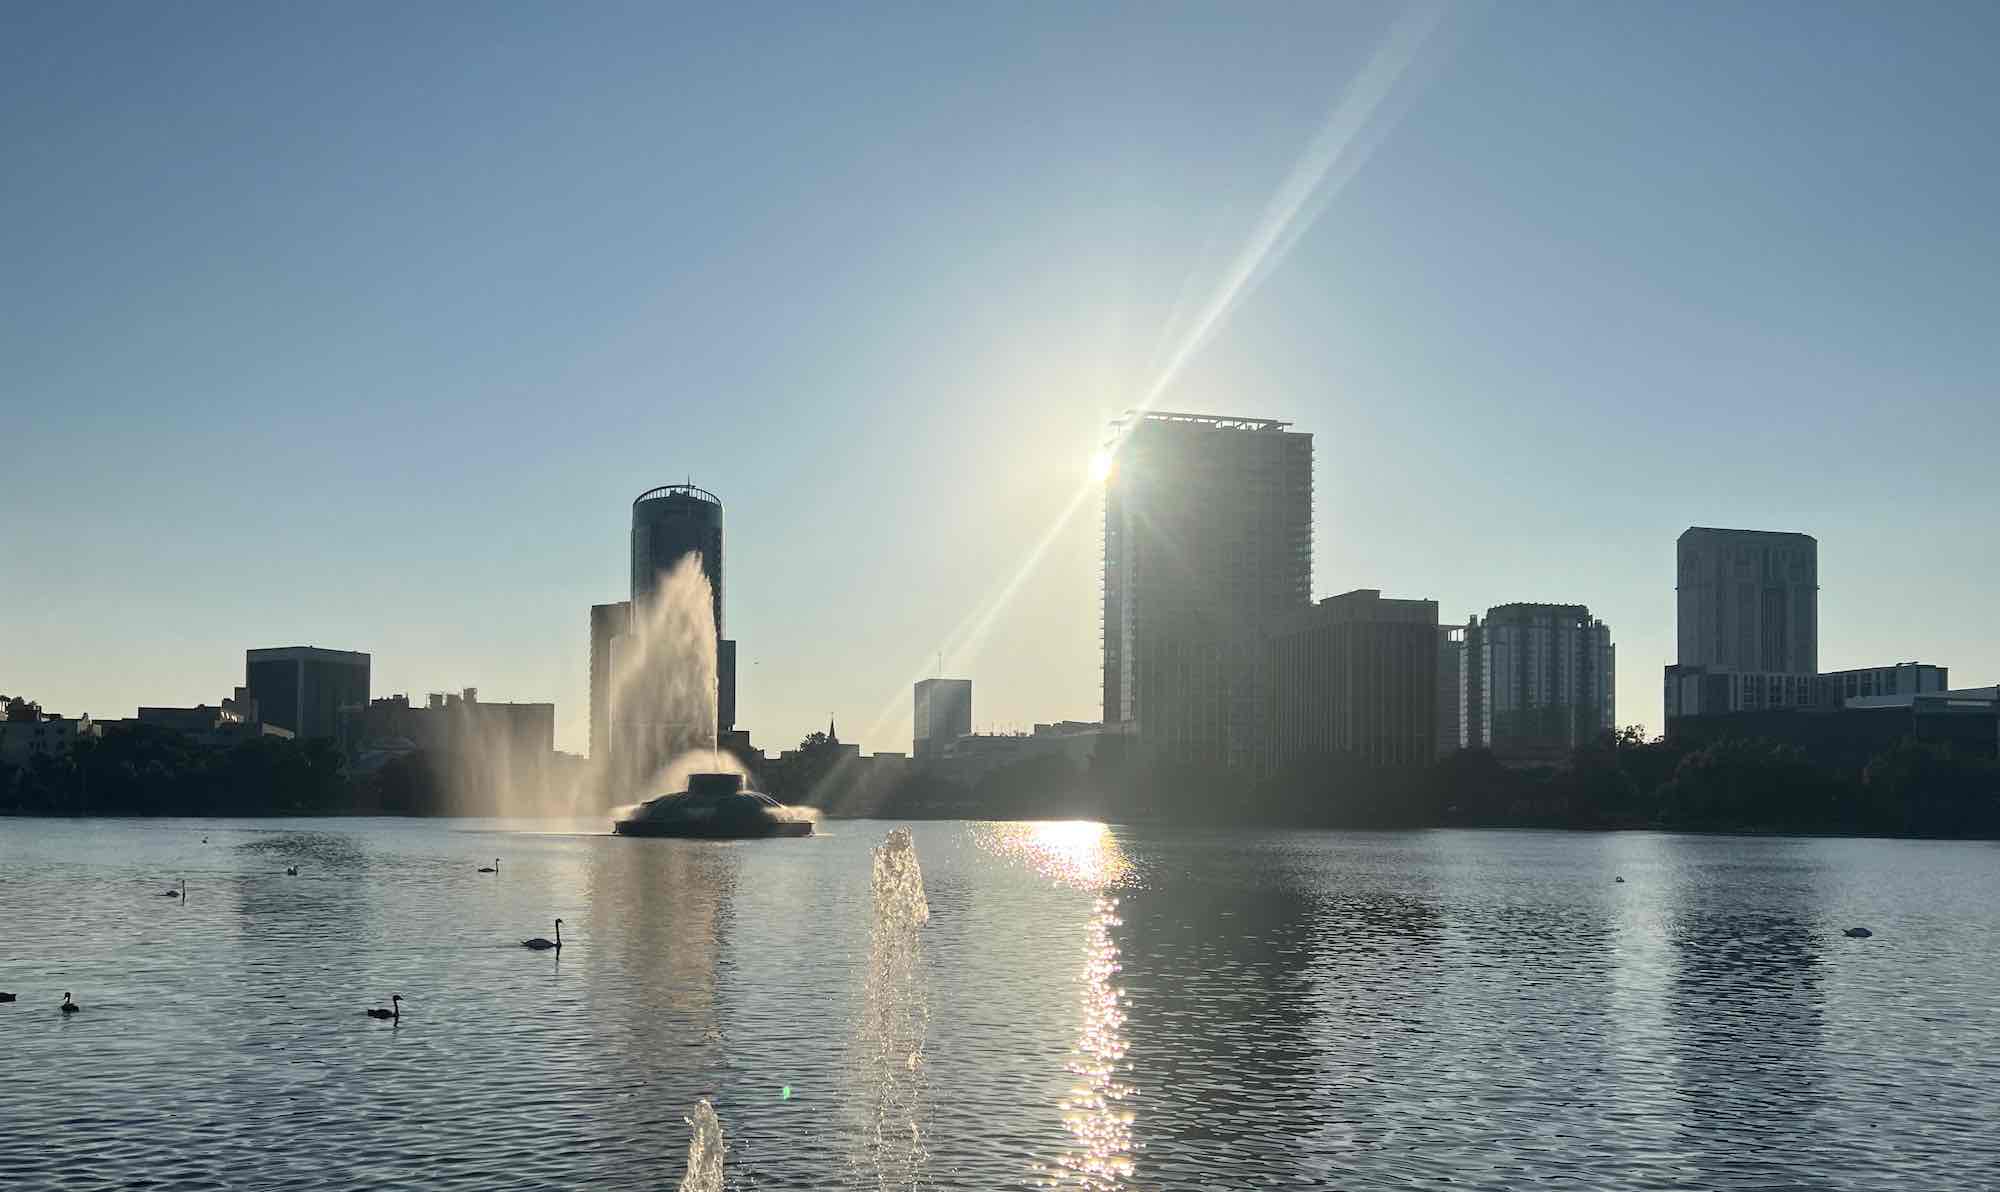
(889, 1043)
(706, 1149)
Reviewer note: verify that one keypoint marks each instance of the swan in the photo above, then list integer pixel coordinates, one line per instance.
(180, 893)
(541, 945)
(394, 1011)
(493, 868)
(69, 1007)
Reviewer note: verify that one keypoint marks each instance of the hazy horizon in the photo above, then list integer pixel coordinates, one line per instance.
(362, 327)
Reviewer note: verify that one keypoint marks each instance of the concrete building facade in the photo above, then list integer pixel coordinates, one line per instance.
(1207, 545)
(608, 623)
(1355, 675)
(303, 688)
(1836, 688)
(1746, 623)
(1748, 600)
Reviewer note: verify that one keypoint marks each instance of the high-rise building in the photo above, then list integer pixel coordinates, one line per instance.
(608, 623)
(1355, 675)
(1450, 688)
(1207, 544)
(1540, 680)
(943, 715)
(303, 688)
(670, 523)
(1747, 622)
(1748, 600)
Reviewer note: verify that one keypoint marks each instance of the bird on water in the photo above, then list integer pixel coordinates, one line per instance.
(69, 1007)
(180, 893)
(6, 997)
(395, 1010)
(541, 945)
(291, 871)
(493, 868)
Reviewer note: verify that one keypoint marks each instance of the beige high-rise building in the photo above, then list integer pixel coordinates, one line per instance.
(1748, 622)
(1748, 600)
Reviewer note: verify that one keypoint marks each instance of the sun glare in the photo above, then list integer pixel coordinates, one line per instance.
(1100, 465)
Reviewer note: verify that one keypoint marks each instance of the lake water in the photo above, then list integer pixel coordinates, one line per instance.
(1085, 1007)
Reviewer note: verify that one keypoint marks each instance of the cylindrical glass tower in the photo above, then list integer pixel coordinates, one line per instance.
(667, 524)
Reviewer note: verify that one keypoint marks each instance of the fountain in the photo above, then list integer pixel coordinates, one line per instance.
(663, 702)
(889, 1043)
(705, 1151)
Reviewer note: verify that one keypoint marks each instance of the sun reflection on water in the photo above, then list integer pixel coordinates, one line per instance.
(1094, 1112)
(1075, 853)
(1086, 856)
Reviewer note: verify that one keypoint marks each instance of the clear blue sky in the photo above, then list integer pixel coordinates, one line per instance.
(361, 325)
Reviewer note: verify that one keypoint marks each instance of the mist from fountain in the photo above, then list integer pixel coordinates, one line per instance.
(663, 691)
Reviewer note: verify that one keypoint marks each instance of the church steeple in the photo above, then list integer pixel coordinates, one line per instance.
(832, 734)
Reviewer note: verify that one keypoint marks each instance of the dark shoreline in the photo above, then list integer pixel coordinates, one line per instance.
(886, 816)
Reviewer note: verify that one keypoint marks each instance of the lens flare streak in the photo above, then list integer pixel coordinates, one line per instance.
(1358, 122)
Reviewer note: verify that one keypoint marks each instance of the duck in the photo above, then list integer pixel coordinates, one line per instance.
(541, 945)
(395, 1010)
(6, 997)
(493, 868)
(1619, 880)
(69, 1007)
(180, 893)
(1857, 933)
(291, 871)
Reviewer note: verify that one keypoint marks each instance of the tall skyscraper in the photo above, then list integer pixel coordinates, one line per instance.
(303, 688)
(943, 714)
(1540, 679)
(1355, 675)
(1748, 600)
(668, 524)
(1207, 544)
(1747, 623)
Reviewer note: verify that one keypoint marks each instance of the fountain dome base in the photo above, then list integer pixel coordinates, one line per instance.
(715, 807)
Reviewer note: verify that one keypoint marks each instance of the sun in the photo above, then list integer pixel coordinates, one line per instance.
(1100, 465)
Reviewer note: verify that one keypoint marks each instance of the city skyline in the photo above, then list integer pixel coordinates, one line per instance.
(268, 395)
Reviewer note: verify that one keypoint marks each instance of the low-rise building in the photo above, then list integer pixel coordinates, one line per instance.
(1902, 679)
(493, 742)
(22, 741)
